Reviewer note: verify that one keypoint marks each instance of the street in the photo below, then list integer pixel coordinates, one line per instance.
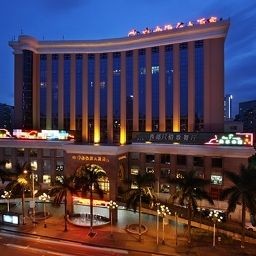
(12, 244)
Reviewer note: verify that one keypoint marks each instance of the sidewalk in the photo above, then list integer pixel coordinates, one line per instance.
(121, 239)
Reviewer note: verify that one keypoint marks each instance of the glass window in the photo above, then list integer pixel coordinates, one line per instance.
(135, 155)
(33, 153)
(46, 152)
(165, 172)
(181, 160)
(217, 162)
(150, 170)
(46, 165)
(7, 151)
(59, 166)
(216, 179)
(134, 171)
(33, 165)
(20, 152)
(59, 153)
(164, 188)
(150, 158)
(198, 161)
(46, 179)
(165, 159)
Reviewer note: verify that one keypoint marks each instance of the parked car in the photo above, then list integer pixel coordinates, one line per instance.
(249, 226)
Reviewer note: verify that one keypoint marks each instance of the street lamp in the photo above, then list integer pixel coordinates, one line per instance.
(112, 206)
(157, 223)
(44, 197)
(216, 217)
(163, 211)
(7, 195)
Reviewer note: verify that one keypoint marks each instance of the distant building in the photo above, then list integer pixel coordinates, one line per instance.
(6, 116)
(233, 126)
(247, 114)
(228, 107)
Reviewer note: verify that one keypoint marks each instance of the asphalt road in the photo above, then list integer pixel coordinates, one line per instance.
(12, 244)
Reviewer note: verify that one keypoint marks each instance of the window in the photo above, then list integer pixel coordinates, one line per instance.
(33, 153)
(59, 153)
(198, 161)
(46, 152)
(217, 162)
(20, 152)
(216, 179)
(165, 172)
(7, 151)
(46, 179)
(181, 160)
(150, 158)
(135, 156)
(46, 165)
(164, 188)
(33, 165)
(165, 159)
(150, 170)
(134, 171)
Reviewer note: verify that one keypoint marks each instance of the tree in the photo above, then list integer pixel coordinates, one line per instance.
(60, 190)
(143, 193)
(20, 185)
(86, 179)
(242, 191)
(189, 189)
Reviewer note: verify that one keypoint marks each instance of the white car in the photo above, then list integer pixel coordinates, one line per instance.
(249, 226)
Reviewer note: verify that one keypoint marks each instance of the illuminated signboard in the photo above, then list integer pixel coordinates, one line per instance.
(42, 135)
(147, 30)
(191, 138)
(5, 133)
(11, 219)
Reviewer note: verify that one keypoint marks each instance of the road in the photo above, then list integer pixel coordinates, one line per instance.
(12, 244)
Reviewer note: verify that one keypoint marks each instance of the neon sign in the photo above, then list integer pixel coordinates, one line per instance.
(232, 139)
(147, 30)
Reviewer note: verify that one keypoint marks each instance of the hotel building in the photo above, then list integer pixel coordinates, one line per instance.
(165, 85)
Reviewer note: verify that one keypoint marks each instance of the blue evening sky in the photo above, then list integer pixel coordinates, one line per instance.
(96, 19)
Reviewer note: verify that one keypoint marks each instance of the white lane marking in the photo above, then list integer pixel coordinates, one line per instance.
(37, 250)
(41, 239)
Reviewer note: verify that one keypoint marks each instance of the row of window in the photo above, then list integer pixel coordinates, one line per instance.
(198, 161)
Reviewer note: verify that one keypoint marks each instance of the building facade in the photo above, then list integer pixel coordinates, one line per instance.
(170, 80)
(166, 86)
(247, 115)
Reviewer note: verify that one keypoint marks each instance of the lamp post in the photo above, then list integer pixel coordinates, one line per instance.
(112, 206)
(7, 196)
(157, 223)
(163, 211)
(216, 217)
(44, 197)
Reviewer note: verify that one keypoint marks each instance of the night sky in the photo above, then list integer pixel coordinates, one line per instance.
(99, 19)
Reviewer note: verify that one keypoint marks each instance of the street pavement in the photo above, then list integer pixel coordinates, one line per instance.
(117, 237)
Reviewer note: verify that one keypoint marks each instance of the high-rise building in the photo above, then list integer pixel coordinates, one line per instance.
(170, 80)
(6, 116)
(228, 107)
(247, 114)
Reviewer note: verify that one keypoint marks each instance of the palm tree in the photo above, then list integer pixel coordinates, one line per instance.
(60, 190)
(86, 179)
(142, 193)
(242, 191)
(189, 189)
(20, 185)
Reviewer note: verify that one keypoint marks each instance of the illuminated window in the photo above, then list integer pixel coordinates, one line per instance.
(104, 184)
(33, 165)
(165, 188)
(134, 171)
(134, 185)
(150, 170)
(46, 179)
(216, 179)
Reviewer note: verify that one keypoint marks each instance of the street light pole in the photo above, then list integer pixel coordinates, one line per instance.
(163, 211)
(215, 216)
(112, 205)
(44, 197)
(157, 224)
